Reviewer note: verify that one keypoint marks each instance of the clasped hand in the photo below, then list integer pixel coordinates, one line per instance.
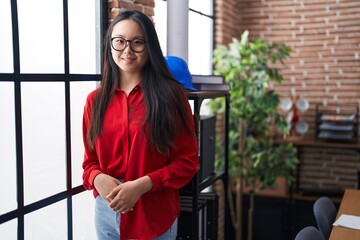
(124, 197)
(120, 196)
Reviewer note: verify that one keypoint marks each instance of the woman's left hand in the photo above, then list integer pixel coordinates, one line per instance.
(124, 197)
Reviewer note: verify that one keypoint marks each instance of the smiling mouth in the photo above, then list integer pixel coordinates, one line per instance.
(128, 59)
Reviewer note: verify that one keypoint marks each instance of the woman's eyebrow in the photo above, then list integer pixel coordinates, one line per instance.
(120, 35)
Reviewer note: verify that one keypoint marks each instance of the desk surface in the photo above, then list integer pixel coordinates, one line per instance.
(350, 204)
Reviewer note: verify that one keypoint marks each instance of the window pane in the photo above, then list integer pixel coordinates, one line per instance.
(83, 216)
(200, 34)
(7, 148)
(47, 223)
(203, 6)
(8, 230)
(84, 37)
(200, 44)
(160, 20)
(43, 118)
(41, 36)
(78, 94)
(6, 56)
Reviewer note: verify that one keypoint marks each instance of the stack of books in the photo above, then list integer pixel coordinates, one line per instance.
(210, 83)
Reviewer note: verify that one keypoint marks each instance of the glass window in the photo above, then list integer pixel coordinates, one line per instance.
(6, 46)
(200, 44)
(160, 20)
(203, 6)
(47, 223)
(201, 31)
(84, 37)
(41, 34)
(41, 133)
(78, 93)
(83, 227)
(44, 149)
(8, 230)
(7, 148)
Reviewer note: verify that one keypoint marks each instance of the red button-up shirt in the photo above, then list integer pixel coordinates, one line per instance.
(122, 151)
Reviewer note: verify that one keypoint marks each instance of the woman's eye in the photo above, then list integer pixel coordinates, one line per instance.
(138, 41)
(121, 41)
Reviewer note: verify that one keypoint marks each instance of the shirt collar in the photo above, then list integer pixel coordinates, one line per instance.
(138, 86)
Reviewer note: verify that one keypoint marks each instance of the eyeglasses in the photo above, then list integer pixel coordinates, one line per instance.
(120, 43)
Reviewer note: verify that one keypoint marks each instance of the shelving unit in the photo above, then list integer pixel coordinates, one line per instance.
(195, 205)
(337, 123)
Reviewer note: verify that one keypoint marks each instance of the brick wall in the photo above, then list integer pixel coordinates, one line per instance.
(117, 6)
(225, 29)
(324, 66)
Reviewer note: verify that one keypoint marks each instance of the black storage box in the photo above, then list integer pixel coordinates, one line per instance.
(206, 142)
(207, 146)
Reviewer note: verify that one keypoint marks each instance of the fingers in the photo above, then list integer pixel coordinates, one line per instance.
(122, 198)
(127, 211)
(113, 193)
(111, 196)
(121, 207)
(118, 203)
(105, 184)
(123, 210)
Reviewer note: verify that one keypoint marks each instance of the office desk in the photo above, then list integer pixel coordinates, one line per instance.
(350, 204)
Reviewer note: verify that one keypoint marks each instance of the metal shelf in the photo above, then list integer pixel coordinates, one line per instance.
(192, 191)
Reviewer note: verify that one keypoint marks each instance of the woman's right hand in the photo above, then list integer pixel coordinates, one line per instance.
(104, 184)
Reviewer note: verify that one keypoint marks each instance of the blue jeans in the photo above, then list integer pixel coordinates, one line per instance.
(107, 223)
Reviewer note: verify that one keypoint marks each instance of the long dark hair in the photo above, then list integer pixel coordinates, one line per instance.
(164, 97)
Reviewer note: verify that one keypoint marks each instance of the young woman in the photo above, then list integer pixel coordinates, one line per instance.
(139, 137)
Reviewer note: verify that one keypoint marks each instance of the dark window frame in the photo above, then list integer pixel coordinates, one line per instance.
(17, 78)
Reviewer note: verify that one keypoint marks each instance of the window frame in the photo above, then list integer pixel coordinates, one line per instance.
(17, 78)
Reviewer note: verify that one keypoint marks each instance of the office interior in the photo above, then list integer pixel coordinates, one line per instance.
(51, 58)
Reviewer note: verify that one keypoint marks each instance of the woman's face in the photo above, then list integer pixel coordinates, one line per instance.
(130, 59)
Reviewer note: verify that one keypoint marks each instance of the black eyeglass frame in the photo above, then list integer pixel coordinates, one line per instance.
(128, 43)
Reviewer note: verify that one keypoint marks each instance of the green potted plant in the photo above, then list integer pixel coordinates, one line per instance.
(250, 68)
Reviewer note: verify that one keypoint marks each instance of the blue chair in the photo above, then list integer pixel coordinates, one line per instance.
(309, 233)
(325, 214)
